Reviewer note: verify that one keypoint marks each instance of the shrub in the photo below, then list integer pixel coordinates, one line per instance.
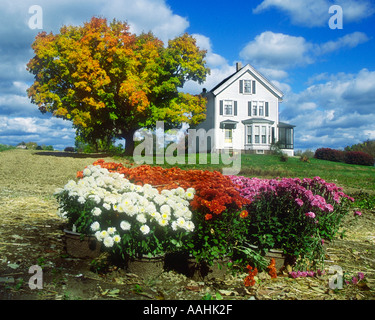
(358, 157)
(329, 154)
(284, 157)
(69, 149)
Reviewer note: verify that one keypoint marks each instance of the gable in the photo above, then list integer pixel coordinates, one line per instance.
(237, 77)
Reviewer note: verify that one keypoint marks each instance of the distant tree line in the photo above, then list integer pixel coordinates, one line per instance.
(34, 146)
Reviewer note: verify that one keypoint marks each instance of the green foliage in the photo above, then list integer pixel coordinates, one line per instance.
(367, 146)
(4, 147)
(364, 200)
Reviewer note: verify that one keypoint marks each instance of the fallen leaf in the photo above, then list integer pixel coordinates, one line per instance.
(228, 292)
(194, 288)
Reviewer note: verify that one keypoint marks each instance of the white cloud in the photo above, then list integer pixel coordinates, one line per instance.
(277, 50)
(336, 112)
(348, 41)
(314, 13)
(213, 60)
(146, 15)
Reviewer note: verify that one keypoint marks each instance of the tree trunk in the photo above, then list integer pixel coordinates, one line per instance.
(129, 144)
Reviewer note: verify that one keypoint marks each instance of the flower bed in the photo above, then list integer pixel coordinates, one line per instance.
(205, 215)
(293, 214)
(133, 219)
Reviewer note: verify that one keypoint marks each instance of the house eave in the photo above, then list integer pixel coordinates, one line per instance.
(256, 74)
(258, 120)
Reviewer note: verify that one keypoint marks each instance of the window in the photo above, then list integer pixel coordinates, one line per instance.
(228, 107)
(249, 133)
(228, 136)
(255, 108)
(264, 134)
(261, 108)
(256, 134)
(247, 86)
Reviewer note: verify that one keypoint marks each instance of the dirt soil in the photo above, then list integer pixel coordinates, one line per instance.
(32, 234)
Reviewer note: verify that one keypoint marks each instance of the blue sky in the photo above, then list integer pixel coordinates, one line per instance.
(327, 75)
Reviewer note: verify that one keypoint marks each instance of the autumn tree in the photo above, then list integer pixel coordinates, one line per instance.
(110, 82)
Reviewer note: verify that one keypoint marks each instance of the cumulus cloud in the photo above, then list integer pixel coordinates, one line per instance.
(213, 60)
(314, 13)
(146, 15)
(277, 50)
(336, 112)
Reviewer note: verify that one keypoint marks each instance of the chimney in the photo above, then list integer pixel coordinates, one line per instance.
(238, 66)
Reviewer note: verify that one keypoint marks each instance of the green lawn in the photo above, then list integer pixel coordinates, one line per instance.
(270, 166)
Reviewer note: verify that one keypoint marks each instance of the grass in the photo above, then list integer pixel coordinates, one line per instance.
(269, 166)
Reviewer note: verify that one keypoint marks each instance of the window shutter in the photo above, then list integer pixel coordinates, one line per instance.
(267, 111)
(235, 108)
(249, 109)
(241, 86)
(253, 87)
(221, 107)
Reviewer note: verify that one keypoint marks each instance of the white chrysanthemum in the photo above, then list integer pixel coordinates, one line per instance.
(120, 208)
(107, 206)
(95, 226)
(108, 242)
(179, 191)
(156, 215)
(165, 209)
(81, 200)
(181, 222)
(104, 234)
(163, 222)
(138, 188)
(174, 225)
(86, 172)
(111, 230)
(151, 208)
(124, 225)
(189, 194)
(166, 193)
(188, 214)
(165, 216)
(95, 198)
(116, 238)
(141, 218)
(145, 229)
(98, 236)
(159, 199)
(189, 226)
(96, 212)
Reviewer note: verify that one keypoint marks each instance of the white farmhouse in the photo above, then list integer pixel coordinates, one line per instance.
(243, 111)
